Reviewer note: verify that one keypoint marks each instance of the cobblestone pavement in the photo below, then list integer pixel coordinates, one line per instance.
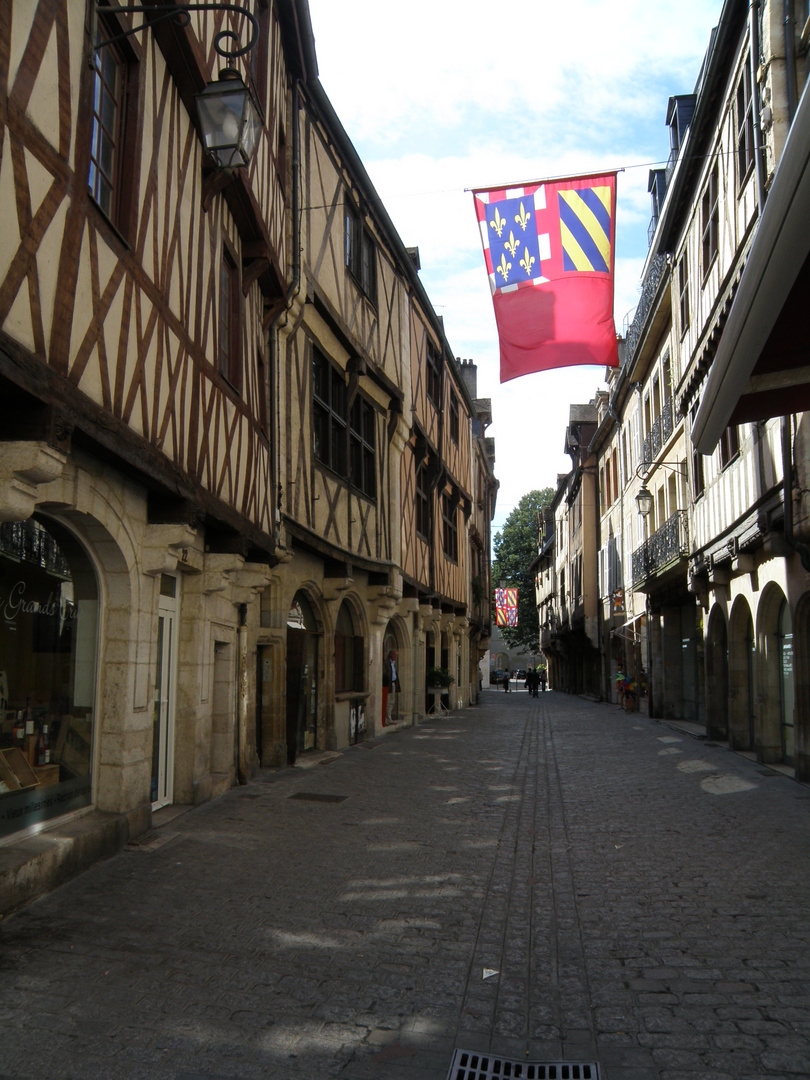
(641, 897)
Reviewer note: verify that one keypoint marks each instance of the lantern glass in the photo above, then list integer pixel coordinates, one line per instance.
(644, 501)
(229, 121)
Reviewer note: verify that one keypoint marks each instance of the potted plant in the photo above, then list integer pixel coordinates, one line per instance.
(439, 677)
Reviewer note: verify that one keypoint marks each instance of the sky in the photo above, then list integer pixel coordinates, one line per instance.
(442, 96)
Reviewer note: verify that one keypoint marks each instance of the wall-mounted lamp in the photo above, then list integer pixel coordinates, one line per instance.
(644, 497)
(229, 121)
(644, 500)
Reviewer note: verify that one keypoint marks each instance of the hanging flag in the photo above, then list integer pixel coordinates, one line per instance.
(549, 251)
(506, 607)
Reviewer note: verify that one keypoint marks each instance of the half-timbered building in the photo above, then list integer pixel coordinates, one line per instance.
(214, 370)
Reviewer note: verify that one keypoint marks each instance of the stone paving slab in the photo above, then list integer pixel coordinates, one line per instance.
(541, 879)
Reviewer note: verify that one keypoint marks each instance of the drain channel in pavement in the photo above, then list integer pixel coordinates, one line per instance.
(314, 796)
(467, 1065)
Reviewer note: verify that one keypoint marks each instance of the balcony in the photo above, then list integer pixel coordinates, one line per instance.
(666, 546)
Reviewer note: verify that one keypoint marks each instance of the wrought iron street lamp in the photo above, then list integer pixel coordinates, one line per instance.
(644, 500)
(229, 121)
(228, 118)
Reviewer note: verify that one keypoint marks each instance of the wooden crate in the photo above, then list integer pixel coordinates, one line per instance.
(7, 777)
(16, 761)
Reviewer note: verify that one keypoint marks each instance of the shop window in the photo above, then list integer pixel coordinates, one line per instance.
(48, 639)
(349, 652)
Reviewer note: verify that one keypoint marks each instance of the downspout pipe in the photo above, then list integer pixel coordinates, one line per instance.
(790, 59)
(293, 290)
(787, 493)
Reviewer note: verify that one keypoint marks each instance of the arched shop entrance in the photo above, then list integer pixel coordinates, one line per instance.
(302, 678)
(49, 617)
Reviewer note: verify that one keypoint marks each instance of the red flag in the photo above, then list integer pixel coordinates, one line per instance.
(549, 250)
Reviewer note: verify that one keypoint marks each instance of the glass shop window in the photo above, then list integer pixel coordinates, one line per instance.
(48, 640)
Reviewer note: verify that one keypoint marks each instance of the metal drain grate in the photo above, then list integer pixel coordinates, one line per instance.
(467, 1065)
(314, 796)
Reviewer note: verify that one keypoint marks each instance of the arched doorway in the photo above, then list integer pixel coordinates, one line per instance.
(302, 678)
(742, 665)
(774, 734)
(717, 675)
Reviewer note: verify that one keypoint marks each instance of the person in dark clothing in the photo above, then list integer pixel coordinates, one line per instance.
(506, 682)
(542, 678)
(532, 681)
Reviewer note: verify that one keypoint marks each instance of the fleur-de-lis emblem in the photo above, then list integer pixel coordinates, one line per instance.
(523, 218)
(511, 244)
(498, 223)
(527, 262)
(504, 268)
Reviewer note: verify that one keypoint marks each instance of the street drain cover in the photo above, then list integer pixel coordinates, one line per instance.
(315, 796)
(467, 1065)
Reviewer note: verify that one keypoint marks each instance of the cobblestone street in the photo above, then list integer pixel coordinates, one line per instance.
(538, 879)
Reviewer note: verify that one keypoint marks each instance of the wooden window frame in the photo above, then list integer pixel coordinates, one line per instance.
(362, 450)
(329, 439)
(361, 254)
(113, 186)
(229, 336)
(745, 128)
(433, 364)
(729, 445)
(710, 221)
(454, 420)
(684, 293)
(423, 501)
(450, 526)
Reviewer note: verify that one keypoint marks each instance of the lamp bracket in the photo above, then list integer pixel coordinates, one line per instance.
(182, 12)
(644, 470)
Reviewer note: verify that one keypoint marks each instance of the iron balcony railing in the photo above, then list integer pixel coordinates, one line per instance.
(659, 432)
(665, 546)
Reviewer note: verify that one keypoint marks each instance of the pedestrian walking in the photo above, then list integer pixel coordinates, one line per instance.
(542, 678)
(532, 681)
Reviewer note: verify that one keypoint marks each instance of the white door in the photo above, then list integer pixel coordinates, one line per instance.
(165, 678)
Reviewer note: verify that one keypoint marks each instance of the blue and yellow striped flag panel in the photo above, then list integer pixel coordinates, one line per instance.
(585, 228)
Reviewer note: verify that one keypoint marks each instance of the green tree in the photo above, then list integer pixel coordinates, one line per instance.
(515, 548)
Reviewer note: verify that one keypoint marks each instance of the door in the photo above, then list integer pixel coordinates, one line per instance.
(165, 679)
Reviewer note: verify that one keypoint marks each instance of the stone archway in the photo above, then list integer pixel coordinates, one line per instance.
(741, 672)
(398, 707)
(769, 743)
(303, 684)
(717, 675)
